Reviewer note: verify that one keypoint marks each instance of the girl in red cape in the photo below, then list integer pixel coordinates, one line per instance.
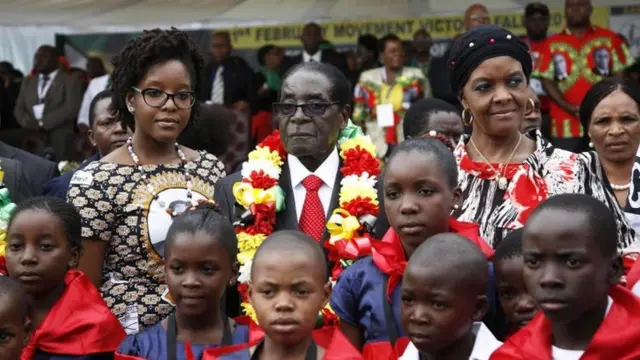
(200, 262)
(420, 191)
(287, 296)
(68, 318)
(572, 269)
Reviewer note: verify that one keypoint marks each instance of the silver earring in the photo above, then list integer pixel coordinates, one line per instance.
(131, 109)
(456, 207)
(590, 145)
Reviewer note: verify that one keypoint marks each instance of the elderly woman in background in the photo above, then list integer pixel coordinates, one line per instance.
(611, 115)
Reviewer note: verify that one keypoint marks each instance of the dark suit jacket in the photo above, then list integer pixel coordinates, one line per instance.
(237, 76)
(58, 186)
(37, 170)
(15, 180)
(329, 56)
(61, 103)
(285, 220)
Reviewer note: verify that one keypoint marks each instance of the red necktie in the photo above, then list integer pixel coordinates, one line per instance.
(312, 219)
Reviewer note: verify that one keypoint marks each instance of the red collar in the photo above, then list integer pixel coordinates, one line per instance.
(616, 338)
(591, 29)
(388, 254)
(79, 323)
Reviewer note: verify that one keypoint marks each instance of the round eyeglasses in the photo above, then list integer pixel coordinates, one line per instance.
(156, 98)
(309, 109)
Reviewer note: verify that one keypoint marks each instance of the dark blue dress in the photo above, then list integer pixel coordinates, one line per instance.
(152, 343)
(357, 298)
(46, 356)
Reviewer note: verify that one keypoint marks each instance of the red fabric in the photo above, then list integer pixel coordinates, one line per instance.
(126, 357)
(616, 338)
(313, 218)
(388, 254)
(536, 47)
(336, 345)
(79, 323)
(260, 125)
(3, 266)
(578, 54)
(383, 351)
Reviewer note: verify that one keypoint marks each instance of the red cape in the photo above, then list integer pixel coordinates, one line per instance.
(79, 323)
(382, 350)
(336, 345)
(616, 338)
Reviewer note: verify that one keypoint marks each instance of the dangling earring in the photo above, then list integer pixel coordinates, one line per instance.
(464, 117)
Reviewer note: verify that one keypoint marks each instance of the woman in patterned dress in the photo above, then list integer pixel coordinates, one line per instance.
(128, 199)
(503, 174)
(610, 115)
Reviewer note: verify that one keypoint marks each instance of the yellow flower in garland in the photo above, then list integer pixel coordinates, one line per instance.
(354, 186)
(342, 225)
(362, 141)
(246, 256)
(248, 310)
(265, 154)
(247, 242)
(3, 243)
(246, 195)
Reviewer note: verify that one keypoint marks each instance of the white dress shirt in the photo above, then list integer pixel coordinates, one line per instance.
(327, 172)
(317, 57)
(483, 347)
(42, 92)
(95, 86)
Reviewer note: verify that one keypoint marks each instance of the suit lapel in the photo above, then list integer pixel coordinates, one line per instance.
(6, 151)
(287, 219)
(54, 90)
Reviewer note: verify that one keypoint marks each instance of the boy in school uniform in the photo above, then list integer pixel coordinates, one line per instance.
(444, 300)
(572, 268)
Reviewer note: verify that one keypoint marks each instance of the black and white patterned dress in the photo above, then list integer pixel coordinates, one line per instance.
(547, 171)
(116, 206)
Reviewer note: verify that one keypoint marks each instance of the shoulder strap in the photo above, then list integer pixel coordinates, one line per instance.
(389, 320)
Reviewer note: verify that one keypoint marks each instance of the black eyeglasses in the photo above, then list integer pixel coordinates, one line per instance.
(309, 109)
(157, 98)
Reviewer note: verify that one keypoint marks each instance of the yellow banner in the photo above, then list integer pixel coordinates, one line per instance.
(347, 32)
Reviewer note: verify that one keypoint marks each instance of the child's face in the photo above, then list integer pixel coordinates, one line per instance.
(13, 328)
(564, 268)
(198, 270)
(517, 305)
(38, 253)
(287, 295)
(417, 199)
(437, 312)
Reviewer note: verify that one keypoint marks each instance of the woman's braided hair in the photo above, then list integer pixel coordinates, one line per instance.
(151, 48)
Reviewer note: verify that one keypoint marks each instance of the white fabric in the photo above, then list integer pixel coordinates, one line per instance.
(43, 87)
(563, 354)
(317, 57)
(217, 90)
(95, 86)
(327, 172)
(636, 289)
(483, 347)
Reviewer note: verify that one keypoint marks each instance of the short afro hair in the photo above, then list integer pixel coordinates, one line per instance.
(151, 48)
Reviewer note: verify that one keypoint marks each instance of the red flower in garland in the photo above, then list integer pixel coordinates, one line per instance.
(359, 206)
(260, 180)
(357, 161)
(274, 143)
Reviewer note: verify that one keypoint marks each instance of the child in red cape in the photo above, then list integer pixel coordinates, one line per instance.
(420, 191)
(289, 286)
(200, 262)
(69, 319)
(572, 268)
(444, 300)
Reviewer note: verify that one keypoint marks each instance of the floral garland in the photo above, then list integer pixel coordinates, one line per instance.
(349, 225)
(6, 209)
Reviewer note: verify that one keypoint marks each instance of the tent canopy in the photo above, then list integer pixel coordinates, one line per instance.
(130, 15)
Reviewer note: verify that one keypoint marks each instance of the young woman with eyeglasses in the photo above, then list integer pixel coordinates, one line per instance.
(126, 198)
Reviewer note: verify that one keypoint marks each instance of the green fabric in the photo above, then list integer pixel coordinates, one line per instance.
(273, 78)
